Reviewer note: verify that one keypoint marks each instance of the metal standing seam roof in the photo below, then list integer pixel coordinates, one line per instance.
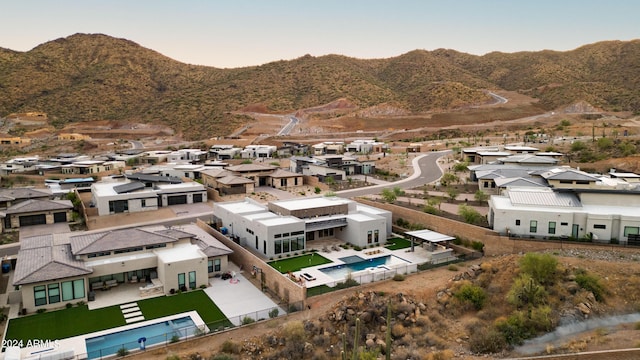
(543, 198)
(569, 175)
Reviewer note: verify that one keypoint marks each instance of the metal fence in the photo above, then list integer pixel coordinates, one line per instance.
(142, 342)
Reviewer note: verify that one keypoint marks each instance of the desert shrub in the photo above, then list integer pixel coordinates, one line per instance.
(591, 283)
(230, 347)
(175, 338)
(274, 313)
(541, 267)
(222, 357)
(472, 294)
(441, 355)
(248, 320)
(470, 215)
(526, 291)
(293, 331)
(172, 357)
(122, 352)
(398, 331)
(452, 267)
(487, 340)
(398, 277)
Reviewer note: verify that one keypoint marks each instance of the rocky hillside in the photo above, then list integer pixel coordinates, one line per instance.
(98, 77)
(486, 310)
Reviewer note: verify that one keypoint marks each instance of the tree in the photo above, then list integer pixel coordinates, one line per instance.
(398, 191)
(448, 179)
(481, 196)
(541, 267)
(389, 195)
(452, 193)
(469, 214)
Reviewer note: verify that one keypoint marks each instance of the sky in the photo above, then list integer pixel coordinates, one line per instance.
(238, 33)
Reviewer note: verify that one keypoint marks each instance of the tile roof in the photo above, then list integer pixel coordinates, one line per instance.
(281, 173)
(45, 262)
(24, 193)
(115, 240)
(234, 180)
(34, 205)
(250, 167)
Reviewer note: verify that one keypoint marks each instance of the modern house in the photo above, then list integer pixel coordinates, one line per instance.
(287, 226)
(55, 269)
(144, 193)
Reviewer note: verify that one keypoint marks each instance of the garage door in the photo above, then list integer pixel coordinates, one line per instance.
(197, 198)
(60, 217)
(177, 200)
(33, 220)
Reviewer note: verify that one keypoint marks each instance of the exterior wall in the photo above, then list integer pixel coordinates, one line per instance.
(28, 301)
(15, 218)
(356, 232)
(609, 199)
(224, 265)
(168, 273)
(134, 200)
(310, 212)
(573, 185)
(505, 222)
(122, 266)
(264, 275)
(164, 196)
(290, 182)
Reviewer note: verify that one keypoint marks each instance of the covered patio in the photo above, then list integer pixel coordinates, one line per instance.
(123, 293)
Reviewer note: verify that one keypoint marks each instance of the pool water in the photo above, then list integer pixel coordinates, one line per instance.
(109, 344)
(350, 266)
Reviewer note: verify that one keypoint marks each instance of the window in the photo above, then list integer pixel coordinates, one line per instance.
(552, 227)
(564, 224)
(369, 237)
(278, 247)
(72, 290)
(376, 236)
(533, 226)
(40, 295)
(217, 264)
(143, 202)
(285, 245)
(181, 281)
(210, 266)
(631, 230)
(517, 222)
(54, 293)
(192, 279)
(599, 226)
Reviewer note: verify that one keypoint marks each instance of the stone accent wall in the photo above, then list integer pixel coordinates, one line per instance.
(277, 283)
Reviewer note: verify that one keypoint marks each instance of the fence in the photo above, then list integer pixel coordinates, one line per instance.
(174, 334)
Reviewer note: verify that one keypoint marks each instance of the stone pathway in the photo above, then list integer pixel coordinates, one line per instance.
(131, 313)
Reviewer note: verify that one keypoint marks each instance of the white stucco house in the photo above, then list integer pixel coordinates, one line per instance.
(286, 226)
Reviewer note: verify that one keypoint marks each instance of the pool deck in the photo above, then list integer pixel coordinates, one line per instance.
(78, 345)
(418, 256)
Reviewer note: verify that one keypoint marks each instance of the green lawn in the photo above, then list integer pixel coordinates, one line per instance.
(397, 244)
(194, 300)
(80, 320)
(296, 263)
(64, 323)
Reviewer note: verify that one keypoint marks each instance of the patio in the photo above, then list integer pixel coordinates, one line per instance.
(121, 294)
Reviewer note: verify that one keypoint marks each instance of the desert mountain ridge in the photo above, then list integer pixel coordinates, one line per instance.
(98, 77)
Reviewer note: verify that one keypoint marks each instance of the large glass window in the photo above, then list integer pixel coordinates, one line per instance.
(40, 295)
(181, 281)
(533, 226)
(54, 293)
(210, 266)
(552, 227)
(369, 237)
(277, 246)
(631, 230)
(285, 245)
(72, 290)
(217, 264)
(192, 279)
(376, 236)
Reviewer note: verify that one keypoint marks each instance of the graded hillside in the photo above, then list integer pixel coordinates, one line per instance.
(86, 77)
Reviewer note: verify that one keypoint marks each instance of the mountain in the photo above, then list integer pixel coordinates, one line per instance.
(94, 76)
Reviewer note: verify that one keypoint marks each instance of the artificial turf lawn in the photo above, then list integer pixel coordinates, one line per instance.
(60, 324)
(196, 300)
(296, 263)
(397, 244)
(80, 320)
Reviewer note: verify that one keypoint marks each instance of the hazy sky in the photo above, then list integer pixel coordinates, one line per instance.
(235, 33)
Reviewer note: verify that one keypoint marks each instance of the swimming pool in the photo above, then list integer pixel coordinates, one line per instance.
(109, 344)
(356, 263)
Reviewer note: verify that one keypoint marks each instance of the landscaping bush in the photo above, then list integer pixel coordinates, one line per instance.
(274, 313)
(398, 277)
(175, 338)
(123, 352)
(231, 347)
(247, 320)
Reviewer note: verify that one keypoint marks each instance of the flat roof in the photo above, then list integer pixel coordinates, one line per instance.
(260, 216)
(308, 203)
(430, 236)
(281, 220)
(108, 188)
(241, 207)
(180, 253)
(360, 217)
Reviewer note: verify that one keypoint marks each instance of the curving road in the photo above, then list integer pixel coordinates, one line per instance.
(425, 171)
(290, 125)
(499, 99)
